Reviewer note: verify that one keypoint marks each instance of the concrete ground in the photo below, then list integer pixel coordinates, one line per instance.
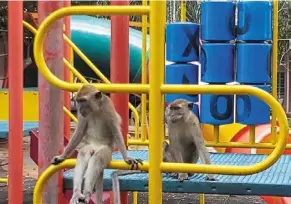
(30, 176)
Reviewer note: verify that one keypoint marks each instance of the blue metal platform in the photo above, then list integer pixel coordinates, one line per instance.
(275, 181)
(27, 126)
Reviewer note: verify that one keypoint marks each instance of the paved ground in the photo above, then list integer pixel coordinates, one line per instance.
(30, 176)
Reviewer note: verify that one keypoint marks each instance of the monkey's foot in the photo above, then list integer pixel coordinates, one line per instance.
(210, 178)
(77, 198)
(173, 174)
(183, 176)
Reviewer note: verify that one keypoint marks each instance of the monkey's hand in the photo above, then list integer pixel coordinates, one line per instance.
(183, 176)
(133, 162)
(58, 159)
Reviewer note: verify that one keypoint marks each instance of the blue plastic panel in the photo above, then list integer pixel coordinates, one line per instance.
(27, 126)
(275, 181)
(254, 20)
(181, 74)
(252, 110)
(217, 62)
(253, 63)
(217, 21)
(216, 109)
(182, 42)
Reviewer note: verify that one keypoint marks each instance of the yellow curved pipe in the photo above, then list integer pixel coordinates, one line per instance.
(82, 79)
(104, 10)
(240, 90)
(199, 168)
(34, 31)
(157, 89)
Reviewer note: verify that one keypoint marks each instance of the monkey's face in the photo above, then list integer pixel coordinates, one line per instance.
(84, 107)
(90, 103)
(178, 109)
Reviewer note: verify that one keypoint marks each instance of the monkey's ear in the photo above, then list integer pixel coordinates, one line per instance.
(98, 95)
(190, 105)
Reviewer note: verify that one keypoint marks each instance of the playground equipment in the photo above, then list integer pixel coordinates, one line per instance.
(271, 180)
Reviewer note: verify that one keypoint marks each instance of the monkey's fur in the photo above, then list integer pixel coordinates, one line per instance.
(97, 132)
(185, 137)
(115, 182)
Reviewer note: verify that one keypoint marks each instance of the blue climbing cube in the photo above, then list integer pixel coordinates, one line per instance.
(182, 42)
(253, 63)
(251, 110)
(254, 21)
(217, 62)
(181, 74)
(216, 109)
(217, 21)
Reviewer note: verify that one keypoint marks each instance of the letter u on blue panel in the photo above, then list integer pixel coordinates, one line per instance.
(181, 74)
(251, 110)
(182, 42)
(216, 109)
(217, 62)
(217, 20)
(253, 63)
(254, 20)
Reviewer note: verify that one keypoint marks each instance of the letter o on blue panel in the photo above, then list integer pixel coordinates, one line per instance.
(253, 63)
(216, 109)
(251, 110)
(217, 62)
(181, 74)
(254, 21)
(182, 42)
(217, 21)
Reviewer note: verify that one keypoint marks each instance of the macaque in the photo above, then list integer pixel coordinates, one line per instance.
(185, 137)
(97, 131)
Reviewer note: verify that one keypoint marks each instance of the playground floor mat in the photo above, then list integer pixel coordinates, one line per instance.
(27, 126)
(275, 181)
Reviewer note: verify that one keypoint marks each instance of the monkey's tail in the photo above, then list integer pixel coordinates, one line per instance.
(115, 182)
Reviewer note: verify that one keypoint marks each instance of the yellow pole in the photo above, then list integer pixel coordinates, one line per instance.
(72, 63)
(274, 66)
(252, 134)
(183, 10)
(216, 134)
(144, 74)
(157, 63)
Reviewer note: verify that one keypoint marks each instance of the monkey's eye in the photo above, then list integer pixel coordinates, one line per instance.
(175, 107)
(98, 95)
(81, 100)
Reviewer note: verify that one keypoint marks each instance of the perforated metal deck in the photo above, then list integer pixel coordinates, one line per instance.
(27, 126)
(275, 181)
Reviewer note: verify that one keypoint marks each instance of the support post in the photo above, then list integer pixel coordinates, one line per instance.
(15, 75)
(119, 68)
(51, 101)
(67, 53)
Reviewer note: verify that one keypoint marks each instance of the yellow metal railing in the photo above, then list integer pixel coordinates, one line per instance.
(3, 180)
(82, 79)
(156, 89)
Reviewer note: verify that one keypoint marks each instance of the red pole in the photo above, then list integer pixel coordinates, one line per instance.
(119, 68)
(67, 103)
(51, 101)
(15, 74)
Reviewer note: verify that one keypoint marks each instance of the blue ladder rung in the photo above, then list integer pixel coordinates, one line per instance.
(275, 181)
